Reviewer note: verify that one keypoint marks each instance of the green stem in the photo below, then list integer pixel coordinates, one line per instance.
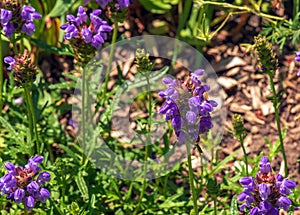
(111, 55)
(33, 118)
(144, 186)
(245, 154)
(28, 101)
(83, 118)
(1, 75)
(186, 11)
(191, 179)
(276, 107)
(25, 212)
(243, 8)
(215, 205)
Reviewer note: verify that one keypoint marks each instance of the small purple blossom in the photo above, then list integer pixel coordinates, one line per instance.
(5, 16)
(267, 193)
(10, 61)
(187, 105)
(20, 184)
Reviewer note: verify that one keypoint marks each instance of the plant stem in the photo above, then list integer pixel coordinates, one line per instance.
(242, 8)
(186, 11)
(83, 118)
(215, 205)
(25, 212)
(276, 106)
(245, 154)
(111, 55)
(1, 75)
(191, 179)
(32, 118)
(147, 143)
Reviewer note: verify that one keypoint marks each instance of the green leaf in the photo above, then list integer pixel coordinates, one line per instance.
(157, 6)
(82, 186)
(63, 50)
(5, 124)
(222, 165)
(234, 206)
(61, 7)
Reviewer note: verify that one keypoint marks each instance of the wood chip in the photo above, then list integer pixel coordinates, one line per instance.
(234, 107)
(227, 83)
(251, 117)
(267, 108)
(256, 97)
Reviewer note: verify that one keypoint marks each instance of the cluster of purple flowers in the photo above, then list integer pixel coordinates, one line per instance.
(297, 59)
(18, 18)
(93, 33)
(20, 186)
(187, 106)
(121, 3)
(266, 194)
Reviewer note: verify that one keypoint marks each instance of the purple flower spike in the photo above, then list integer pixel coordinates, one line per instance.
(268, 191)
(185, 98)
(11, 61)
(21, 186)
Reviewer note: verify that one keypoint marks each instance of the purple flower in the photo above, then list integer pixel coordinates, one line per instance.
(5, 16)
(22, 187)
(124, 3)
(297, 58)
(92, 31)
(20, 19)
(19, 195)
(18, 101)
(103, 3)
(44, 194)
(43, 178)
(264, 165)
(11, 61)
(265, 194)
(8, 29)
(186, 98)
(264, 191)
(284, 202)
(29, 203)
(28, 28)
(29, 14)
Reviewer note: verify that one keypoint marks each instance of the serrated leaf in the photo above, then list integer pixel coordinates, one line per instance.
(234, 206)
(81, 184)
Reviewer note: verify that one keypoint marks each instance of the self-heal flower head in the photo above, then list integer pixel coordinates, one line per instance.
(22, 185)
(86, 33)
(18, 18)
(24, 69)
(187, 106)
(267, 193)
